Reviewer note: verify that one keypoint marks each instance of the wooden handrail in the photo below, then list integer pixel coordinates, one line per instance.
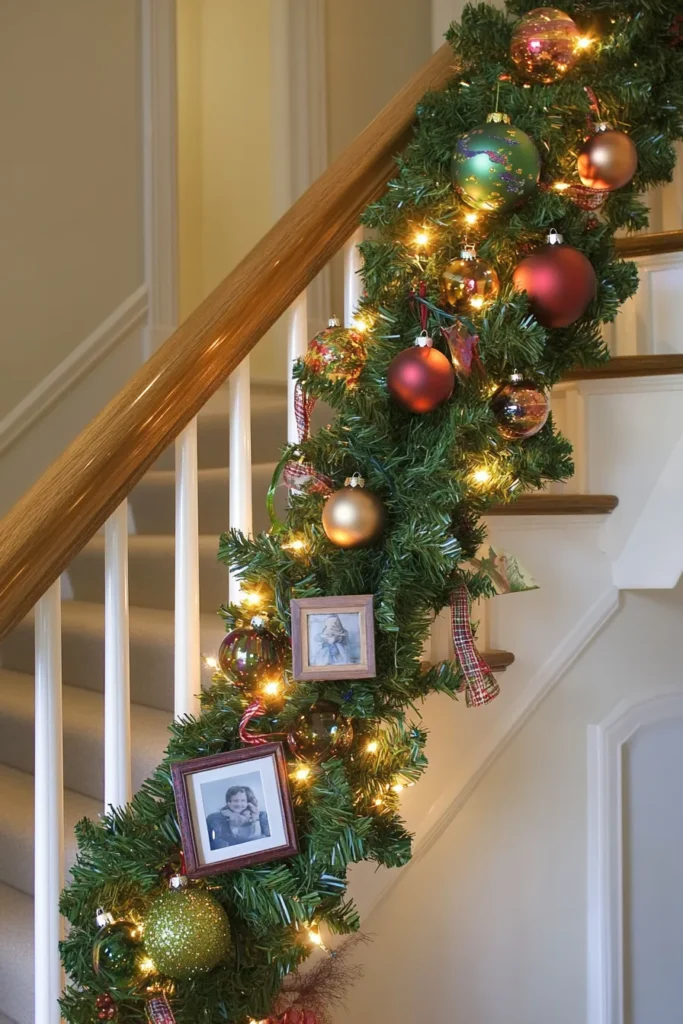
(75, 496)
(71, 500)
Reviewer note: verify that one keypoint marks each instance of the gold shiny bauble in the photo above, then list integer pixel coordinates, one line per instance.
(353, 517)
(469, 282)
(607, 160)
(186, 932)
(545, 44)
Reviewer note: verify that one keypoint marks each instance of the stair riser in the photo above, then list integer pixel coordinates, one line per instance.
(151, 577)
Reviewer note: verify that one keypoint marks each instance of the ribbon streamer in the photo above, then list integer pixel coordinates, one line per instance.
(303, 409)
(480, 684)
(594, 117)
(158, 1010)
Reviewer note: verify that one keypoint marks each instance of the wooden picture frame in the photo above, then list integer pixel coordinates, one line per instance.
(221, 832)
(313, 658)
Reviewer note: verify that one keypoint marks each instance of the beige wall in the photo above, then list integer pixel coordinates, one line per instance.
(70, 240)
(490, 925)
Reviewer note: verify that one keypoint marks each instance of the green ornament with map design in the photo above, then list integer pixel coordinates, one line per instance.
(495, 166)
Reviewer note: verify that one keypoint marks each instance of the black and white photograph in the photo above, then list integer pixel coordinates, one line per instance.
(234, 809)
(333, 637)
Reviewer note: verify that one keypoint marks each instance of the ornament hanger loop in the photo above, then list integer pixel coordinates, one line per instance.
(423, 340)
(354, 481)
(554, 237)
(468, 252)
(334, 322)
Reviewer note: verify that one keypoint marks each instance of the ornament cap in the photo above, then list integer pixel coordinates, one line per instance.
(259, 622)
(354, 481)
(178, 882)
(603, 126)
(334, 321)
(497, 117)
(554, 237)
(516, 377)
(468, 252)
(103, 917)
(423, 340)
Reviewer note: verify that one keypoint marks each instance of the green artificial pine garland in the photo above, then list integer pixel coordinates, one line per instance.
(422, 468)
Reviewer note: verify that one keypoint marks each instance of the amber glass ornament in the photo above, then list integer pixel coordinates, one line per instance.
(559, 280)
(495, 166)
(420, 378)
(353, 517)
(250, 654)
(117, 951)
(320, 733)
(520, 407)
(469, 281)
(337, 353)
(186, 931)
(545, 44)
(607, 160)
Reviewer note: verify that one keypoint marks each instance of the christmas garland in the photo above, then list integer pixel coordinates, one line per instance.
(490, 273)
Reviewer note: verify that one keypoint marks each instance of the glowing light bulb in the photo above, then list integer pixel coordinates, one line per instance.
(481, 475)
(421, 238)
(211, 663)
(252, 598)
(398, 787)
(272, 688)
(583, 42)
(477, 301)
(360, 325)
(471, 218)
(147, 965)
(314, 937)
(372, 747)
(301, 774)
(378, 802)
(296, 544)
(561, 186)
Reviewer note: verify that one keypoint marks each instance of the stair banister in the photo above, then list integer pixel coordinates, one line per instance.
(75, 496)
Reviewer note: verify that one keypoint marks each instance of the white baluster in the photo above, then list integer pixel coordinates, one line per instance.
(187, 653)
(353, 285)
(117, 775)
(49, 807)
(297, 342)
(240, 459)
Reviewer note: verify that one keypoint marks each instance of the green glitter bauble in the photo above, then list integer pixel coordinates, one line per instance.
(186, 933)
(116, 953)
(495, 167)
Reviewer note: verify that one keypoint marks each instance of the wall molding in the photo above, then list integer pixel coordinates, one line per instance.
(92, 350)
(544, 680)
(605, 938)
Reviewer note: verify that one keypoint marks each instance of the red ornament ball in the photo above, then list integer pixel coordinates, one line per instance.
(559, 280)
(520, 408)
(607, 160)
(420, 378)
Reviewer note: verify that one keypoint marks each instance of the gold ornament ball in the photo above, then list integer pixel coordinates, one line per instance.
(186, 933)
(545, 44)
(469, 282)
(607, 160)
(353, 517)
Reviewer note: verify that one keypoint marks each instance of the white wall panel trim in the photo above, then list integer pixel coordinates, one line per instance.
(92, 350)
(605, 926)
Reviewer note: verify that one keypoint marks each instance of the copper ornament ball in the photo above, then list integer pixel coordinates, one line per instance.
(420, 379)
(521, 409)
(559, 280)
(545, 44)
(607, 160)
(353, 517)
(469, 281)
(320, 733)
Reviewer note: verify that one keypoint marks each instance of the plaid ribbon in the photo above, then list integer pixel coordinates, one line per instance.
(303, 409)
(295, 1016)
(158, 1010)
(594, 116)
(480, 685)
(299, 476)
(582, 195)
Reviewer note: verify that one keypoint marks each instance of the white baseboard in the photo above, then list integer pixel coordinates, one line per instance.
(540, 685)
(118, 325)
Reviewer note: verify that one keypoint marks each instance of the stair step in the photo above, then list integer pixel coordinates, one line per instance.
(630, 366)
(16, 955)
(17, 826)
(268, 433)
(557, 505)
(151, 650)
(152, 502)
(83, 712)
(151, 562)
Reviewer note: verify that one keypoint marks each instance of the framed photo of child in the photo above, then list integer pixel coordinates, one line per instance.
(235, 809)
(333, 637)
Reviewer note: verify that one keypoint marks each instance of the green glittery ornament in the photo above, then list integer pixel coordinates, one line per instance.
(186, 931)
(495, 166)
(116, 951)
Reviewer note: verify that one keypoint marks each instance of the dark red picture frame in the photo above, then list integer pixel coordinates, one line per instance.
(180, 772)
